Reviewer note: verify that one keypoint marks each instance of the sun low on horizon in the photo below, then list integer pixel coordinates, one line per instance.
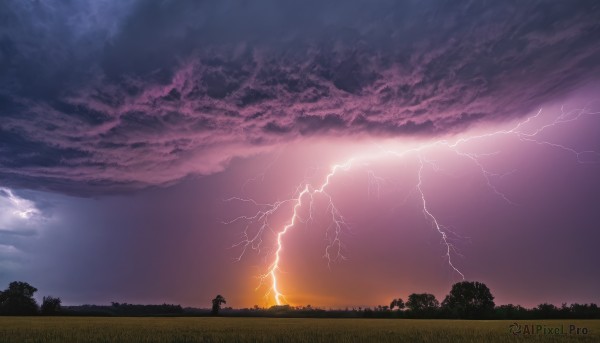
(300, 153)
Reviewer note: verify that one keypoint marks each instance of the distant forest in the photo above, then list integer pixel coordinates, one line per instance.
(466, 300)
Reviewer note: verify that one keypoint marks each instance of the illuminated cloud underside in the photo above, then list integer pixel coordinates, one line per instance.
(123, 101)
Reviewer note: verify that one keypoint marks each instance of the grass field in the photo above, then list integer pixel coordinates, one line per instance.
(149, 330)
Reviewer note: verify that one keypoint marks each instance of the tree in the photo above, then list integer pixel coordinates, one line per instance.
(18, 299)
(423, 304)
(399, 303)
(510, 311)
(216, 304)
(469, 300)
(546, 310)
(50, 306)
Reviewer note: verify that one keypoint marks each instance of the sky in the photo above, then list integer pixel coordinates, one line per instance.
(300, 152)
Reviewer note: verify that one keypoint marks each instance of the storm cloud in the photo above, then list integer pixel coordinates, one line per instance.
(128, 94)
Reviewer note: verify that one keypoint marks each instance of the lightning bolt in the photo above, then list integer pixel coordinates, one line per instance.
(258, 224)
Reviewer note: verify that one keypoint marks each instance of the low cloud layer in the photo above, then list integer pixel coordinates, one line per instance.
(119, 95)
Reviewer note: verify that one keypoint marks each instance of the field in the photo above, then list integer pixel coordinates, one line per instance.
(159, 330)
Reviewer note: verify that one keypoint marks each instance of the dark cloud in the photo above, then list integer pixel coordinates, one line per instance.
(137, 93)
(273, 127)
(312, 124)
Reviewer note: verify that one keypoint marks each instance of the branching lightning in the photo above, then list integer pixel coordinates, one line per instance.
(258, 224)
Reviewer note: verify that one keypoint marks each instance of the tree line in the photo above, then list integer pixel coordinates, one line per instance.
(466, 300)
(18, 300)
(474, 300)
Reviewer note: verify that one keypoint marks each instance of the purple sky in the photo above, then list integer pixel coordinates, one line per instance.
(125, 127)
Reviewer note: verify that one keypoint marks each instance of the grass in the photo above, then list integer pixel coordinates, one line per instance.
(162, 330)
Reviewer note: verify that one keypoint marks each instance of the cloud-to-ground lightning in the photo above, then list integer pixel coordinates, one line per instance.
(525, 131)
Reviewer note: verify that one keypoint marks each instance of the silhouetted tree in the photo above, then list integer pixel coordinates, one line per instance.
(469, 300)
(50, 306)
(18, 300)
(216, 304)
(584, 310)
(423, 304)
(399, 303)
(510, 311)
(546, 310)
